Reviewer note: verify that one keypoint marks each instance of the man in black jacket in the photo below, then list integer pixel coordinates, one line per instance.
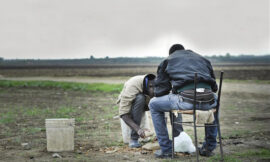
(176, 74)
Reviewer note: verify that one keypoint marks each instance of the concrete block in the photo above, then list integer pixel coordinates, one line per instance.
(60, 134)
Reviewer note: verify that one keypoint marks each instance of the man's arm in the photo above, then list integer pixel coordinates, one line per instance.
(162, 82)
(127, 119)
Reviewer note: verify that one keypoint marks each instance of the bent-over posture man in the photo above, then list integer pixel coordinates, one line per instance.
(134, 100)
(176, 73)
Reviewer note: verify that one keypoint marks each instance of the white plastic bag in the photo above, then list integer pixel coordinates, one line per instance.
(183, 143)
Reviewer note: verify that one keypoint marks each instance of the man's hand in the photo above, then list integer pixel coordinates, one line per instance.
(143, 133)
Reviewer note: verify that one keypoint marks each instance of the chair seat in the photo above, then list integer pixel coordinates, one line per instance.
(188, 111)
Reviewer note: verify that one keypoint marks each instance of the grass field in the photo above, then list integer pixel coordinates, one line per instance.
(24, 106)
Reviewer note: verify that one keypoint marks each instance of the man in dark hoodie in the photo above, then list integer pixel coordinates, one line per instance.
(176, 74)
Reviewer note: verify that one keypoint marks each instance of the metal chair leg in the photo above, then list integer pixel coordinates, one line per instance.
(220, 141)
(194, 117)
(195, 134)
(172, 118)
(217, 115)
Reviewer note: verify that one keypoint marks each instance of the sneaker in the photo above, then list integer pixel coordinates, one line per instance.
(204, 152)
(134, 143)
(160, 154)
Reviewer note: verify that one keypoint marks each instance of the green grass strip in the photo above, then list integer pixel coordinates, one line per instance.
(262, 153)
(239, 156)
(102, 87)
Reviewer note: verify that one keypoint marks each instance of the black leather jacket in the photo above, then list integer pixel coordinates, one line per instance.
(178, 69)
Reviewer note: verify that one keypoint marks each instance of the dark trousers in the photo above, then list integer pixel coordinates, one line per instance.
(210, 135)
(178, 128)
(137, 110)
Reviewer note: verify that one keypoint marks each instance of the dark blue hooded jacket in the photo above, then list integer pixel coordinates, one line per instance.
(178, 69)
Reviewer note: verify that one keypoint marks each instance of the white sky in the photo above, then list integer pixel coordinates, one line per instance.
(133, 28)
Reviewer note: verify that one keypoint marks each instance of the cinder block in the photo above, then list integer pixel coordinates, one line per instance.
(60, 134)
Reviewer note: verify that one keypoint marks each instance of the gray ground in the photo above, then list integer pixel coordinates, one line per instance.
(245, 119)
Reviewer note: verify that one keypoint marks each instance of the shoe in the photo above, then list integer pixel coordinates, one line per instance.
(204, 152)
(134, 143)
(160, 154)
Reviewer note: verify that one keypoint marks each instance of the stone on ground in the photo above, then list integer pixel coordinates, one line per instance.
(151, 146)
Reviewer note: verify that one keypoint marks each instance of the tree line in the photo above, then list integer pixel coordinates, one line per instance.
(130, 60)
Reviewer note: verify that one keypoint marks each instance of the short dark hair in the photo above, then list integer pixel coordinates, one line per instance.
(176, 47)
(147, 78)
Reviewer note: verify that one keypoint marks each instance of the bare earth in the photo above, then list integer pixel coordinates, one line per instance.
(245, 119)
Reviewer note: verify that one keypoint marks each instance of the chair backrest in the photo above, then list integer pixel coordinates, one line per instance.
(219, 91)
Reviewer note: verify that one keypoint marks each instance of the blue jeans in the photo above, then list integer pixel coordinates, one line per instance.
(159, 105)
(139, 107)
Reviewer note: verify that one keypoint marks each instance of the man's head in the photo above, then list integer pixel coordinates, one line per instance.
(176, 47)
(149, 82)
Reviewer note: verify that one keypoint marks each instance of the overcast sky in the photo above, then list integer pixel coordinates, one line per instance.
(133, 28)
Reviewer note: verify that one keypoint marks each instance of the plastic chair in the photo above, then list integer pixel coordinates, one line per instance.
(193, 112)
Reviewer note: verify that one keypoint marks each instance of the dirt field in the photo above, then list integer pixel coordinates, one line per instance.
(242, 72)
(245, 119)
